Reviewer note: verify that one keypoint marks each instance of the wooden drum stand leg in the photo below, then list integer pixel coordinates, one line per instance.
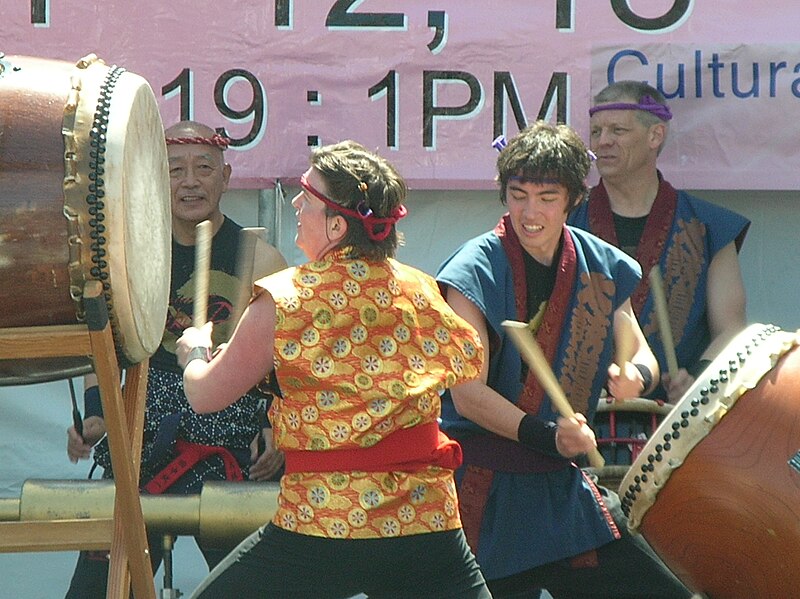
(124, 419)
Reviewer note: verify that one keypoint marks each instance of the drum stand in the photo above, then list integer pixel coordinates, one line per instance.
(124, 419)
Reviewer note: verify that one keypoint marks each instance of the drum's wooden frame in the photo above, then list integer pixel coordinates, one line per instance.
(124, 419)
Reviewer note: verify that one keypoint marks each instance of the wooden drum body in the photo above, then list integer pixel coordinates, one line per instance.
(84, 195)
(716, 490)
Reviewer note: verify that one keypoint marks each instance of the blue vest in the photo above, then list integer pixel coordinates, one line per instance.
(534, 518)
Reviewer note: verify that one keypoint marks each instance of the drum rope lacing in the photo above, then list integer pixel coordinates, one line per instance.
(96, 195)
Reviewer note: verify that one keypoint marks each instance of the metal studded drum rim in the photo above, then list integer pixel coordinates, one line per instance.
(95, 198)
(638, 488)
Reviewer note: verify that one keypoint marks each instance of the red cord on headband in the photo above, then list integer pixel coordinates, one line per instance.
(363, 213)
(216, 140)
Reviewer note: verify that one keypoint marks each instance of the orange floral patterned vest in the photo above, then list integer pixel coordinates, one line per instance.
(363, 349)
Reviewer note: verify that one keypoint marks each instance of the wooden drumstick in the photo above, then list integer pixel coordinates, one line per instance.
(202, 264)
(248, 238)
(662, 316)
(533, 355)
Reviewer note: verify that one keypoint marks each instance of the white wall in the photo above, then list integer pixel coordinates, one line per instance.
(770, 257)
(33, 419)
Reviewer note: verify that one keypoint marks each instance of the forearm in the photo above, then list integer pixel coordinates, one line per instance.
(636, 378)
(484, 406)
(237, 367)
(493, 412)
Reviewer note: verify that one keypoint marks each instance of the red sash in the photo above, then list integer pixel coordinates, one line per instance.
(473, 494)
(188, 455)
(549, 333)
(405, 450)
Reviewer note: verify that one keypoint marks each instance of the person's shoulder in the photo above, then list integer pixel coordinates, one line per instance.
(481, 244)
(472, 253)
(696, 201)
(579, 215)
(585, 236)
(227, 221)
(599, 246)
(229, 225)
(722, 222)
(267, 260)
(406, 271)
(227, 236)
(276, 281)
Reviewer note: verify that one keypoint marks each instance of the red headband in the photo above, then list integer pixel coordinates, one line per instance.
(216, 140)
(363, 213)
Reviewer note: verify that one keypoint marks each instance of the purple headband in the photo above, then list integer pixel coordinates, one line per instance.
(647, 103)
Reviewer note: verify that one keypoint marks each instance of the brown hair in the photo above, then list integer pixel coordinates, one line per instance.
(356, 177)
(543, 151)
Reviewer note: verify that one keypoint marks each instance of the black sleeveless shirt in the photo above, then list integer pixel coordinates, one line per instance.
(222, 289)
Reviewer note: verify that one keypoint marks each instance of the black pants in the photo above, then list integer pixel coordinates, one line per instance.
(90, 579)
(624, 569)
(278, 564)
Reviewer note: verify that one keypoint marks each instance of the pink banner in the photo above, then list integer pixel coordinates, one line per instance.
(431, 84)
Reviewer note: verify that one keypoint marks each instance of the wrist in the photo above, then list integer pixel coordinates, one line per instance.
(92, 405)
(198, 353)
(538, 435)
(647, 378)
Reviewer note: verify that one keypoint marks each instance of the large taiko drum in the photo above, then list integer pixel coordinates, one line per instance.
(716, 490)
(84, 195)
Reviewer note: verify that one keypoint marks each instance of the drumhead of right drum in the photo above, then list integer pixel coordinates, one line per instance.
(715, 492)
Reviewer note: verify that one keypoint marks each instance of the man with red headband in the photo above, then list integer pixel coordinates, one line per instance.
(360, 346)
(182, 449)
(694, 243)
